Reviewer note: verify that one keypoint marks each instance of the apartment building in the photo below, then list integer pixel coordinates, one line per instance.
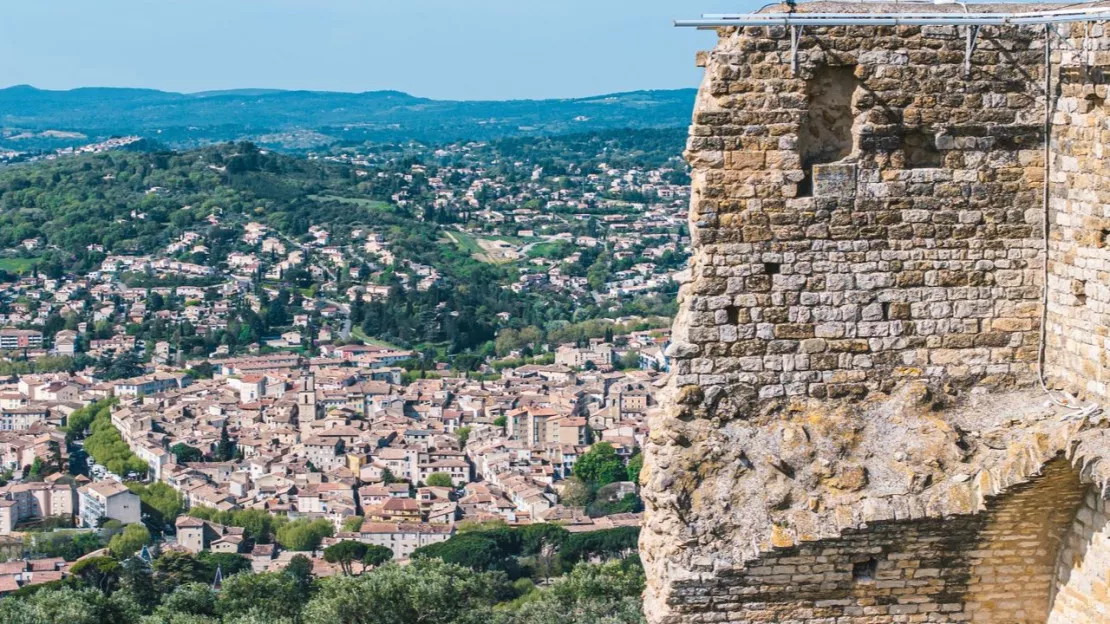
(12, 339)
(107, 499)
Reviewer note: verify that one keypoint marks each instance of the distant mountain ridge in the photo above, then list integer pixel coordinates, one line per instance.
(303, 119)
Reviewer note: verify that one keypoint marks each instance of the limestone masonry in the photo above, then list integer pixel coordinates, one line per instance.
(854, 431)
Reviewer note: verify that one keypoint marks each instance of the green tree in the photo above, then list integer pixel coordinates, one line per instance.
(189, 599)
(184, 453)
(428, 592)
(130, 541)
(388, 476)
(80, 420)
(304, 534)
(536, 538)
(125, 366)
(607, 593)
(575, 492)
(439, 479)
(225, 448)
(258, 524)
(203, 370)
(55, 463)
(605, 544)
(300, 570)
(100, 573)
(629, 360)
(228, 563)
(36, 471)
(481, 551)
(271, 594)
(159, 499)
(106, 446)
(344, 553)
(376, 556)
(176, 568)
(508, 340)
(599, 272)
(137, 579)
(352, 524)
(463, 435)
(542, 543)
(600, 466)
(635, 465)
(67, 544)
(67, 605)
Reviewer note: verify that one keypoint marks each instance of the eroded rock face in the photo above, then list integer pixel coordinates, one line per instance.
(856, 349)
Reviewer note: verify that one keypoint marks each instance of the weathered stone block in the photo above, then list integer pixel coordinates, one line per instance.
(834, 180)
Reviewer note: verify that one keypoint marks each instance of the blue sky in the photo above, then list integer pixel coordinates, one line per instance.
(458, 49)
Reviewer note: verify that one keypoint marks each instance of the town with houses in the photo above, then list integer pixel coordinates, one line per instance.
(13, 156)
(517, 215)
(334, 437)
(320, 420)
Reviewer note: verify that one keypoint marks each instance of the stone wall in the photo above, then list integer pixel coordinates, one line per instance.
(886, 270)
(853, 429)
(996, 567)
(1083, 577)
(1078, 328)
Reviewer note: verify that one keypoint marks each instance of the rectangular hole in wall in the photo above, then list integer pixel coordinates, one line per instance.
(733, 315)
(920, 148)
(825, 135)
(886, 311)
(772, 268)
(1079, 289)
(805, 187)
(864, 570)
(1104, 238)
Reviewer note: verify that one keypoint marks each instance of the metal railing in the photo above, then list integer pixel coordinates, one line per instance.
(719, 20)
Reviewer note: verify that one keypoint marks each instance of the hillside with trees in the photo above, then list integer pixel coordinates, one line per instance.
(39, 119)
(81, 210)
(178, 588)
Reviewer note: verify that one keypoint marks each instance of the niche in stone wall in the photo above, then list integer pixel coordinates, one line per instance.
(826, 132)
(1095, 103)
(920, 149)
(1079, 289)
(865, 570)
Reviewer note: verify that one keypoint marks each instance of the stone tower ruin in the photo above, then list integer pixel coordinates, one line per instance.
(895, 244)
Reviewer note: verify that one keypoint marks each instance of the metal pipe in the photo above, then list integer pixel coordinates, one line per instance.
(1062, 11)
(929, 14)
(846, 21)
(1058, 20)
(898, 19)
(730, 16)
(892, 21)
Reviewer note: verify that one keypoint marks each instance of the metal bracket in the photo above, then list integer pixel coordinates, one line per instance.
(1086, 48)
(795, 35)
(969, 49)
(1061, 37)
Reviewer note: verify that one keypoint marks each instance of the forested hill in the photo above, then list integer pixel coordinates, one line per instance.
(65, 216)
(85, 207)
(37, 119)
(136, 202)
